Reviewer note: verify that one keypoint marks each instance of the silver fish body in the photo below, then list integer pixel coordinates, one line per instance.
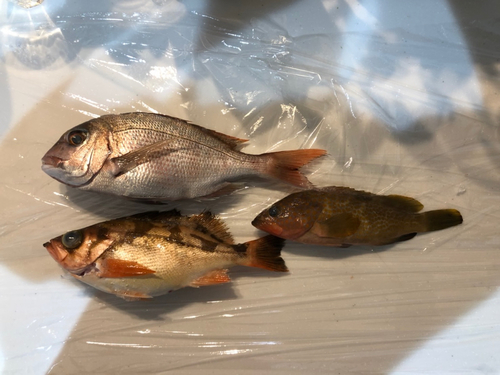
(157, 157)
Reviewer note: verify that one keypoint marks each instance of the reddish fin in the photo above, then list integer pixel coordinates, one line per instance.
(285, 165)
(113, 268)
(265, 253)
(212, 278)
(441, 219)
(134, 296)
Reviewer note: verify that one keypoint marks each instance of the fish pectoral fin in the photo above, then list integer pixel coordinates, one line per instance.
(211, 278)
(113, 268)
(337, 226)
(127, 162)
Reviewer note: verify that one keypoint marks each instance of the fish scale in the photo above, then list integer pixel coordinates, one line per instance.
(153, 253)
(161, 158)
(340, 216)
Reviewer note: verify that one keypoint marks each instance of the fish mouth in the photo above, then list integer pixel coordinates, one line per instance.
(49, 162)
(55, 252)
(268, 227)
(60, 255)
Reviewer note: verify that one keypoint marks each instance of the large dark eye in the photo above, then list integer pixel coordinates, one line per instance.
(273, 211)
(72, 240)
(77, 137)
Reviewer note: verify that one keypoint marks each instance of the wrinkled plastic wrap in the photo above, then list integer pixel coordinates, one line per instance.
(404, 95)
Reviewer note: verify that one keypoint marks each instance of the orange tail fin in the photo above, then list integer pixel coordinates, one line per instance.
(285, 165)
(441, 219)
(265, 253)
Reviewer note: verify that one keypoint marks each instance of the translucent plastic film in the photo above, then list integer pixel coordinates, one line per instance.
(402, 94)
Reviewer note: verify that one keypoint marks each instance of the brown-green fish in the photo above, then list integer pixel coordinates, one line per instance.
(150, 254)
(160, 158)
(341, 216)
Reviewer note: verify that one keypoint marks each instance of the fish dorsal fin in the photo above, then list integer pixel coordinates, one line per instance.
(206, 223)
(337, 226)
(232, 142)
(156, 215)
(211, 225)
(403, 203)
(395, 201)
(148, 220)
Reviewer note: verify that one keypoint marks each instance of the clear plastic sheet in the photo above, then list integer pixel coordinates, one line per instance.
(402, 94)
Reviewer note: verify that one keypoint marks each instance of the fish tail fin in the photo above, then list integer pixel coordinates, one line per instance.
(284, 165)
(265, 253)
(441, 219)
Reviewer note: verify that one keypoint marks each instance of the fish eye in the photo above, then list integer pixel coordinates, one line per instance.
(273, 211)
(72, 240)
(77, 137)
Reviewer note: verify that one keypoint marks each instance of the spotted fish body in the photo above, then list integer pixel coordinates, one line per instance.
(341, 216)
(160, 158)
(151, 254)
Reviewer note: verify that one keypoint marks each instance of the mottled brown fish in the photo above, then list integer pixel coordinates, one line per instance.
(150, 254)
(160, 158)
(341, 216)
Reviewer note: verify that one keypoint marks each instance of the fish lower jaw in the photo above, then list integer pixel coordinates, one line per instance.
(51, 170)
(90, 269)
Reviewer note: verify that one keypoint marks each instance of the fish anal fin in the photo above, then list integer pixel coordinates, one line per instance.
(134, 296)
(218, 276)
(226, 189)
(114, 268)
(337, 226)
(403, 203)
(406, 237)
(125, 163)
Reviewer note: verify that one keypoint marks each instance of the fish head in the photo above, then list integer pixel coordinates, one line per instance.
(77, 250)
(290, 217)
(79, 154)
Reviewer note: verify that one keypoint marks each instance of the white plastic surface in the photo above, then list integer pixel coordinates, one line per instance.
(404, 95)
